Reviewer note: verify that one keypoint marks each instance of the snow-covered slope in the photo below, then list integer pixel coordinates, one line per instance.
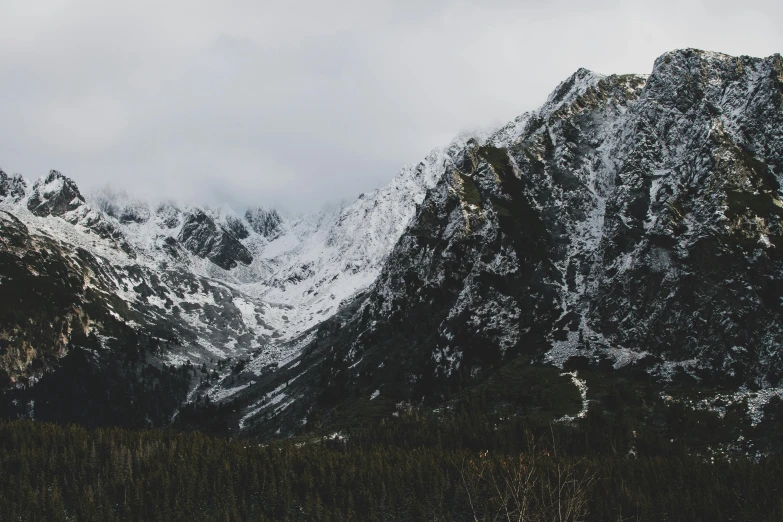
(323, 261)
(310, 265)
(152, 274)
(218, 286)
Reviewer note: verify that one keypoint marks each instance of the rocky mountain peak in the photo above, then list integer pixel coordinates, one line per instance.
(54, 194)
(635, 220)
(571, 88)
(13, 187)
(207, 239)
(686, 78)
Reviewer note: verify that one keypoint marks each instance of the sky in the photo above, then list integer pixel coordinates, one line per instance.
(298, 103)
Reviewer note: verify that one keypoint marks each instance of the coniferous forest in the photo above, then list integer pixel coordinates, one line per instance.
(414, 466)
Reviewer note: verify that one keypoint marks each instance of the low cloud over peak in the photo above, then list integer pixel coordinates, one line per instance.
(294, 104)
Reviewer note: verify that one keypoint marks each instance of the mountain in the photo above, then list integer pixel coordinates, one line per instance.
(632, 224)
(164, 289)
(629, 230)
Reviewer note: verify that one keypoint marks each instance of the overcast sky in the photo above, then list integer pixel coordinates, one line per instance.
(297, 103)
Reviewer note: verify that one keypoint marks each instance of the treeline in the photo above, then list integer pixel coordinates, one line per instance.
(51, 472)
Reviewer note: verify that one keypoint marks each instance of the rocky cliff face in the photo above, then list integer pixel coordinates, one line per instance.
(690, 258)
(632, 221)
(203, 237)
(11, 187)
(265, 222)
(479, 275)
(54, 195)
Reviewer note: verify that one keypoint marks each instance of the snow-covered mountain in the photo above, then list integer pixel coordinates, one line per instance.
(218, 286)
(632, 222)
(309, 264)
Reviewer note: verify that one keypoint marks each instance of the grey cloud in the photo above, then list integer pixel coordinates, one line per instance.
(300, 103)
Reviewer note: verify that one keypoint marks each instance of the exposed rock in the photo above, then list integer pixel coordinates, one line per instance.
(236, 227)
(202, 236)
(54, 195)
(629, 218)
(168, 215)
(12, 187)
(265, 222)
